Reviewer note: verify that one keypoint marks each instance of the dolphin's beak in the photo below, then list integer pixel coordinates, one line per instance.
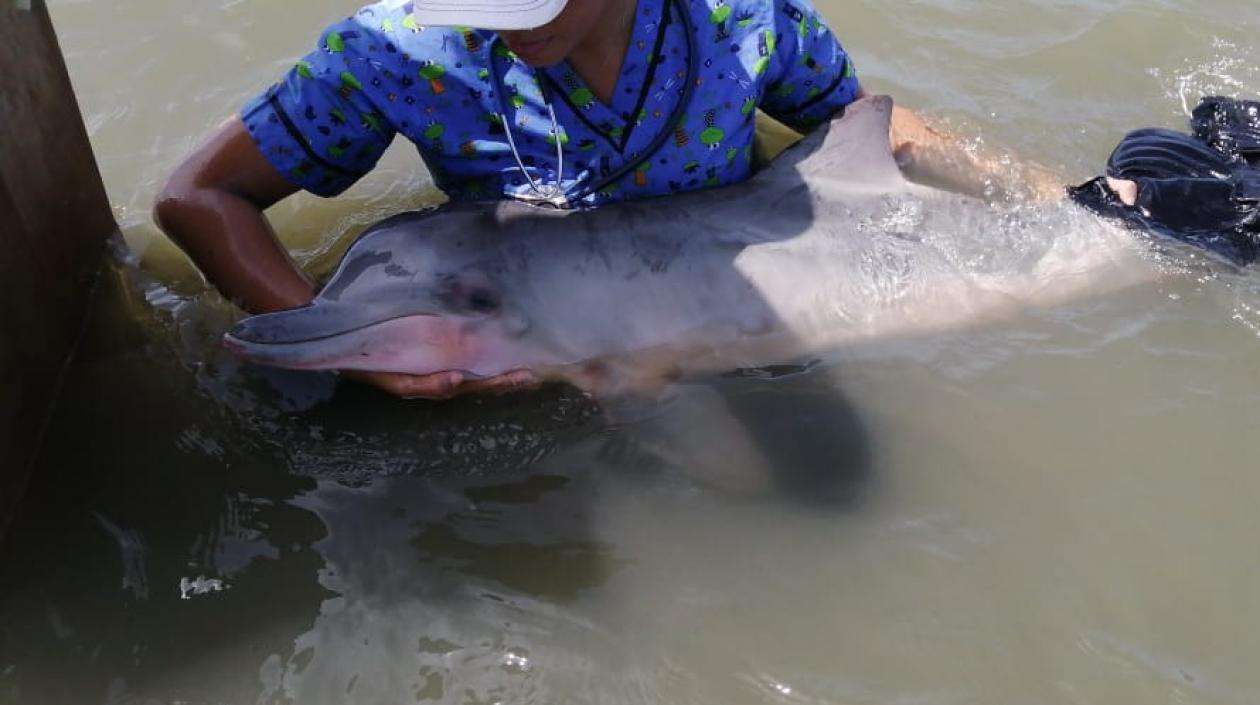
(307, 324)
(319, 335)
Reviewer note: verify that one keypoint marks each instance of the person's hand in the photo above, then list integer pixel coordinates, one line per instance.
(1126, 191)
(443, 385)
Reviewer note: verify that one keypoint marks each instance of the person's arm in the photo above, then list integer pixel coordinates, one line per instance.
(811, 79)
(808, 76)
(212, 207)
(934, 157)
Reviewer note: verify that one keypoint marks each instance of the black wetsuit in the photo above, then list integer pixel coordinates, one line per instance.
(1202, 188)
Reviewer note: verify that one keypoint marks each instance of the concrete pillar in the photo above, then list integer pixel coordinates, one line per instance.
(54, 220)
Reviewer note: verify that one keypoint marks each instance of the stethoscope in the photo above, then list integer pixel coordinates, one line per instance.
(553, 194)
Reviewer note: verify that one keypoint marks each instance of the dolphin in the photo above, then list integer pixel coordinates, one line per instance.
(828, 246)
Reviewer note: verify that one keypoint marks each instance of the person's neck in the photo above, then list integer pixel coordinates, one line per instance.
(599, 56)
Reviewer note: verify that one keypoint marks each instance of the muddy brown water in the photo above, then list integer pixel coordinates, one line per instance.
(1057, 509)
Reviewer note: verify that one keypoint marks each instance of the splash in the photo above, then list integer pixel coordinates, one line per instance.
(1229, 70)
(201, 585)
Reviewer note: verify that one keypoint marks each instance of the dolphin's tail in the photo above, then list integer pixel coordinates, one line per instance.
(1203, 189)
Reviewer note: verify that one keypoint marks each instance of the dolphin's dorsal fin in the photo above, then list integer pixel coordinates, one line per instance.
(853, 148)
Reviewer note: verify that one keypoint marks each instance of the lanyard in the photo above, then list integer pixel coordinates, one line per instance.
(554, 195)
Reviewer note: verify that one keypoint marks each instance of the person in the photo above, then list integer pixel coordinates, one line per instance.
(569, 103)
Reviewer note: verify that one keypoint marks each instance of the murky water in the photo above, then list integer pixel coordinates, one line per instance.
(1059, 509)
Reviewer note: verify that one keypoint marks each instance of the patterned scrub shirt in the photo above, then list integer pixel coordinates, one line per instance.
(378, 74)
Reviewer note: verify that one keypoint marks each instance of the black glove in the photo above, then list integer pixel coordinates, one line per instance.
(1202, 189)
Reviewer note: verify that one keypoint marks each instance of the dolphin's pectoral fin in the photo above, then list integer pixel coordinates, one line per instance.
(616, 379)
(693, 428)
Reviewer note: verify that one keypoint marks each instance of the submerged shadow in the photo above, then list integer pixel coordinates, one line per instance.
(796, 439)
(819, 446)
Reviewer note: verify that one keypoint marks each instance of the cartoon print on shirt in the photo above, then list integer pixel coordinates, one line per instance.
(335, 43)
(718, 18)
(472, 42)
(712, 135)
(434, 133)
(433, 72)
(579, 95)
(370, 79)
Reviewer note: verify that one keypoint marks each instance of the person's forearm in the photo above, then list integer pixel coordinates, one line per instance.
(231, 242)
(212, 207)
(930, 156)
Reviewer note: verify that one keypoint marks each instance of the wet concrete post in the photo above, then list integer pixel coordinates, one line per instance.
(54, 222)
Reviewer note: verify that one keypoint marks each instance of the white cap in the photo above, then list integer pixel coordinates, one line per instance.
(487, 14)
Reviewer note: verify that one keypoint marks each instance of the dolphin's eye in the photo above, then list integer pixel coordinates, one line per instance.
(483, 301)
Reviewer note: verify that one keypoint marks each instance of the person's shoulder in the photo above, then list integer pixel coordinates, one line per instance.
(735, 11)
(754, 15)
(741, 11)
(388, 27)
(740, 18)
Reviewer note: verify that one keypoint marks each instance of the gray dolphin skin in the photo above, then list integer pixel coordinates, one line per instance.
(828, 246)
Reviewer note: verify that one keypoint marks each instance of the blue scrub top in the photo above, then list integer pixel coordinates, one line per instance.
(378, 74)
